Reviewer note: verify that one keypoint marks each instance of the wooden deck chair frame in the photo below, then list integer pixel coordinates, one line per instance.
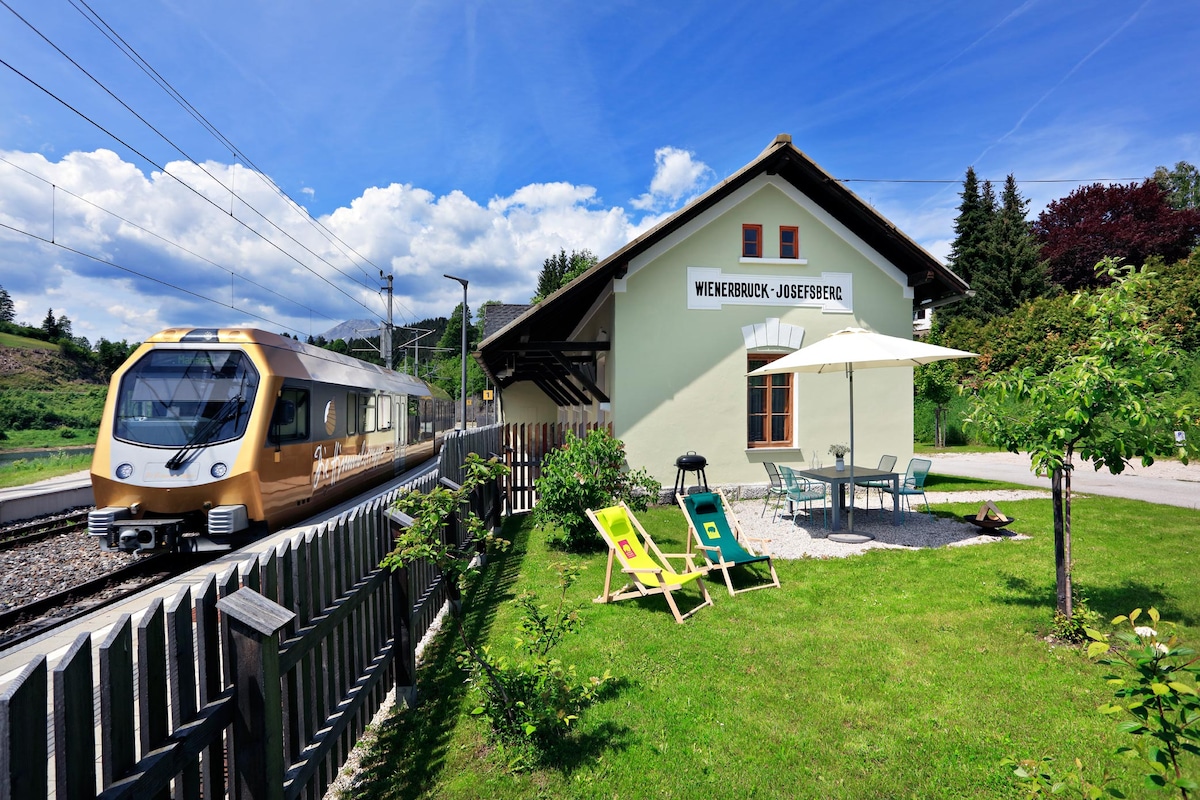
(725, 558)
(654, 575)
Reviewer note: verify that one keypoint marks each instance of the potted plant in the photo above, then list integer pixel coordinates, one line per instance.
(838, 451)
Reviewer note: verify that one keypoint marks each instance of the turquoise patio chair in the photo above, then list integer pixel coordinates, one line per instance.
(913, 484)
(775, 489)
(886, 464)
(803, 491)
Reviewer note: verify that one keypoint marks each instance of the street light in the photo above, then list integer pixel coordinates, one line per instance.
(463, 386)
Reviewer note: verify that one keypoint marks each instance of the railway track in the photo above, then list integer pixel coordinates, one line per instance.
(32, 531)
(26, 621)
(52, 572)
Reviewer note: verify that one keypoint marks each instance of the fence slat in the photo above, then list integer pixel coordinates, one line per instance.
(208, 668)
(117, 723)
(181, 663)
(74, 723)
(24, 760)
(153, 706)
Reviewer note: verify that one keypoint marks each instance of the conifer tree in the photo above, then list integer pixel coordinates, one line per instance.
(452, 337)
(972, 229)
(1012, 271)
(558, 271)
(7, 312)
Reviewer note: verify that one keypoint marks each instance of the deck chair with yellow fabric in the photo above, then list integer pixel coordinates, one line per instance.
(646, 567)
(723, 544)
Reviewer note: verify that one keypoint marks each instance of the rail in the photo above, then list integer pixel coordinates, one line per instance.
(255, 685)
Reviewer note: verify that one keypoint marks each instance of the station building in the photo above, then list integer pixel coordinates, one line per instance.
(657, 339)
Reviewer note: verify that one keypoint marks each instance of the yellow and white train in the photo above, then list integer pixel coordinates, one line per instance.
(212, 437)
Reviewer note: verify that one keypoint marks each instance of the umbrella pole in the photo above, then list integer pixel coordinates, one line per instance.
(850, 522)
(850, 375)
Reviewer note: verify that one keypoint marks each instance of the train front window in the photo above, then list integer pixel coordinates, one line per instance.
(177, 398)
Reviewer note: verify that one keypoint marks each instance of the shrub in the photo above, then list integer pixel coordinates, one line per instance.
(582, 474)
(531, 702)
(1154, 686)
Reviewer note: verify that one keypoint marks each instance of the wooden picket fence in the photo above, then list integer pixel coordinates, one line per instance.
(256, 685)
(525, 445)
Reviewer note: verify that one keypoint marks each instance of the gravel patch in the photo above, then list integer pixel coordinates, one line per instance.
(804, 538)
(36, 571)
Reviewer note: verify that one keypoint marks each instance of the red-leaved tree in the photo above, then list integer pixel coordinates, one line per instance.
(1128, 221)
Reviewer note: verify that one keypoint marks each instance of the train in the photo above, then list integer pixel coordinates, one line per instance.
(212, 437)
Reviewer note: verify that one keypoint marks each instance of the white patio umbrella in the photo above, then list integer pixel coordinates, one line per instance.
(855, 348)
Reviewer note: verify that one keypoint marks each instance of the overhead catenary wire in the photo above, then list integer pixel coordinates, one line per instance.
(183, 153)
(160, 237)
(160, 281)
(988, 180)
(131, 52)
(184, 184)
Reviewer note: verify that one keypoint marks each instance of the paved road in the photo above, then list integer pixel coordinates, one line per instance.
(1166, 483)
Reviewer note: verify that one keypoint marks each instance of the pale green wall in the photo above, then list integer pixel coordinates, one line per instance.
(678, 375)
(524, 403)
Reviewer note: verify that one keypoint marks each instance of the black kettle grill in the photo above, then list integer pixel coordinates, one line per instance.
(690, 462)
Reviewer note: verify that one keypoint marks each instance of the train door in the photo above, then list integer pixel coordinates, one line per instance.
(284, 468)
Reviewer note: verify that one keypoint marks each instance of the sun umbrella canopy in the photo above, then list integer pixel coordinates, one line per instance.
(861, 348)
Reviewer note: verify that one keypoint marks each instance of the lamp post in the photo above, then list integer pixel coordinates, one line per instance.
(463, 385)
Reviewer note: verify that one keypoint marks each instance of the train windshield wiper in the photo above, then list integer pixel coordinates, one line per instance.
(205, 433)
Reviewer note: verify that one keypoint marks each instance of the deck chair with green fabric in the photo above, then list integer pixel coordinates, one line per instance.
(646, 567)
(709, 515)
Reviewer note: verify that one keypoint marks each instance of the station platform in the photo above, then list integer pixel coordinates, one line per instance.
(46, 497)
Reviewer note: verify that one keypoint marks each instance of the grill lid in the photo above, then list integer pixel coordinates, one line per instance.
(691, 461)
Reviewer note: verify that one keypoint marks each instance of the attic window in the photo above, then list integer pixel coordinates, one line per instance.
(789, 241)
(752, 241)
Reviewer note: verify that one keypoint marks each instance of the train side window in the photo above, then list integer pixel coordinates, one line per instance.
(289, 421)
(367, 413)
(385, 412)
(351, 413)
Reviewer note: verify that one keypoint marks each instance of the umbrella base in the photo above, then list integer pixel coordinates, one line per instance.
(849, 538)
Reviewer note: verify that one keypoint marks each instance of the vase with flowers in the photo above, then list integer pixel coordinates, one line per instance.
(838, 451)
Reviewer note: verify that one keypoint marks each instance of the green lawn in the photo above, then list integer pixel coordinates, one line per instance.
(26, 471)
(895, 674)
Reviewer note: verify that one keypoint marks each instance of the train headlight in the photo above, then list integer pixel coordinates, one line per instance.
(124, 471)
(219, 470)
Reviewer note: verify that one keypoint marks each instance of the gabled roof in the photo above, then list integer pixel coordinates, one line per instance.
(498, 315)
(534, 346)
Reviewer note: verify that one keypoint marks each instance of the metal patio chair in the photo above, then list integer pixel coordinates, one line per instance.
(775, 489)
(914, 484)
(803, 491)
(886, 464)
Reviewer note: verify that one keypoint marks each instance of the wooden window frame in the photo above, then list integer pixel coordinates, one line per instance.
(795, 232)
(771, 382)
(757, 242)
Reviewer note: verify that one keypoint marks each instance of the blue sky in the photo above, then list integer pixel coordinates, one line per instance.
(480, 138)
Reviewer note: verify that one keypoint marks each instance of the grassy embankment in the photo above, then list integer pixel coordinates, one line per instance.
(894, 674)
(46, 403)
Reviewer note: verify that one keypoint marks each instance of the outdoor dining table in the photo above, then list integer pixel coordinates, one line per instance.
(838, 480)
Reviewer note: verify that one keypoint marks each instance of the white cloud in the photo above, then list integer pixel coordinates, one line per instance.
(677, 176)
(179, 256)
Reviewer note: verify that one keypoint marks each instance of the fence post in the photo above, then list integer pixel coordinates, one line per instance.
(254, 626)
(405, 656)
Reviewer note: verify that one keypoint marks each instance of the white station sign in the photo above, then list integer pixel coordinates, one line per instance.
(710, 288)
